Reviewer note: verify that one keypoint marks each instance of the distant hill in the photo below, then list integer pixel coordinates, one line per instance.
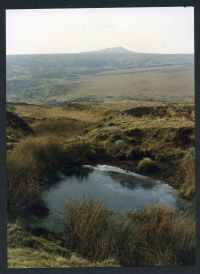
(48, 77)
(115, 50)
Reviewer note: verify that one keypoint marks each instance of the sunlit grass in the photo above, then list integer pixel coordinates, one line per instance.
(155, 236)
(28, 251)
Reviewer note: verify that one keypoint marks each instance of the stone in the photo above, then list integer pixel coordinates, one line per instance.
(119, 143)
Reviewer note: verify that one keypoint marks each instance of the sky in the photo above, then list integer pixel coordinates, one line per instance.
(153, 30)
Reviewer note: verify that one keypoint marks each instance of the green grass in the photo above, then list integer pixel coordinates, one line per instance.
(28, 251)
(24, 257)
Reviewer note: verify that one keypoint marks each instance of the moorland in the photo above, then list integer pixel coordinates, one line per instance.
(113, 107)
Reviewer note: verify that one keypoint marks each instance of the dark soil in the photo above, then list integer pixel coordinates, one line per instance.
(15, 122)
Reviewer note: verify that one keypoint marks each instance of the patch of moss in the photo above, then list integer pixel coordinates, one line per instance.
(147, 165)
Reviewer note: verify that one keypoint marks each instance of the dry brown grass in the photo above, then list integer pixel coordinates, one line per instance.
(186, 175)
(39, 112)
(59, 128)
(88, 229)
(158, 85)
(155, 236)
(27, 165)
(166, 237)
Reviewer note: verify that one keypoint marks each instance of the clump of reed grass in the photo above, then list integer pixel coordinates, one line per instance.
(167, 236)
(155, 236)
(186, 175)
(34, 159)
(89, 229)
(27, 165)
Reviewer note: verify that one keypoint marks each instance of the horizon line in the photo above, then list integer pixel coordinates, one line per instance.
(98, 50)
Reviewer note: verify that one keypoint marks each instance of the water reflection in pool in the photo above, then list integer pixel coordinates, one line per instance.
(118, 189)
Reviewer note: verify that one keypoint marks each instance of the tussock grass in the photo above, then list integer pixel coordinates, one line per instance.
(89, 230)
(186, 175)
(156, 236)
(33, 160)
(34, 157)
(27, 165)
(167, 237)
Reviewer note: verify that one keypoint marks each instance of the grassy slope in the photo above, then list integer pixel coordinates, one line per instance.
(27, 251)
(80, 130)
(100, 125)
(24, 257)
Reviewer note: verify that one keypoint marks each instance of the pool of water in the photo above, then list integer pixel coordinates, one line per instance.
(118, 189)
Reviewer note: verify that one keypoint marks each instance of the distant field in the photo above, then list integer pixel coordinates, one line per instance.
(170, 84)
(158, 85)
(54, 79)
